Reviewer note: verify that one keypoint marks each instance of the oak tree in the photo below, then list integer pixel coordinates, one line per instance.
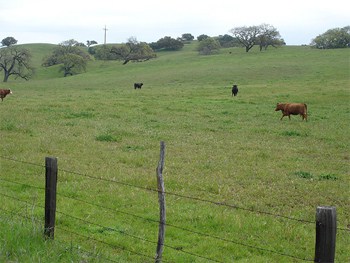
(133, 51)
(70, 55)
(15, 61)
(333, 38)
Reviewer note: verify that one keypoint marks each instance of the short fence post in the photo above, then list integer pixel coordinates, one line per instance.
(326, 228)
(50, 196)
(161, 197)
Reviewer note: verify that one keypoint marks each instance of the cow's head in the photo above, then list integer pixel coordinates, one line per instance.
(280, 106)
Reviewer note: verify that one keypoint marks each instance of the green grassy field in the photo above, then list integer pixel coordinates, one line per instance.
(220, 148)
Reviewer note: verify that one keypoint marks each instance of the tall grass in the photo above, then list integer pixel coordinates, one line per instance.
(221, 148)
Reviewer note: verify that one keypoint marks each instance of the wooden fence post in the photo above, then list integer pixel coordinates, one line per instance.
(326, 228)
(50, 196)
(161, 198)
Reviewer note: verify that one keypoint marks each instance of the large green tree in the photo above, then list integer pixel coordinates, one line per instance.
(72, 64)
(263, 35)
(333, 38)
(269, 36)
(70, 55)
(247, 36)
(15, 61)
(167, 44)
(227, 41)
(8, 41)
(208, 46)
(187, 37)
(133, 51)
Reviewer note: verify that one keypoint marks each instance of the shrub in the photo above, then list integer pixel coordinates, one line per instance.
(107, 138)
(305, 175)
(328, 177)
(208, 46)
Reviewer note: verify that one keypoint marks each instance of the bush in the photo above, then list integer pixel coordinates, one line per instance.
(333, 38)
(167, 43)
(208, 46)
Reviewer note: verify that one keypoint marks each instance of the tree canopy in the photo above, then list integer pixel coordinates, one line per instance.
(227, 41)
(167, 44)
(8, 41)
(264, 35)
(208, 46)
(133, 51)
(72, 57)
(16, 62)
(202, 37)
(333, 38)
(187, 37)
(269, 36)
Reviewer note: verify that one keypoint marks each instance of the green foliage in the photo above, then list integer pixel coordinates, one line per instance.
(269, 36)
(167, 44)
(308, 175)
(263, 35)
(291, 133)
(70, 55)
(103, 52)
(305, 175)
(72, 64)
(91, 42)
(247, 36)
(133, 51)
(328, 177)
(202, 37)
(8, 41)
(187, 37)
(107, 138)
(333, 38)
(208, 46)
(60, 52)
(227, 41)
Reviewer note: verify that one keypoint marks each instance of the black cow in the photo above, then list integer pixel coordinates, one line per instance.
(138, 85)
(234, 90)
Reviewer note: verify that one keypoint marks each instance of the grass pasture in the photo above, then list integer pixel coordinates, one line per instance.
(219, 148)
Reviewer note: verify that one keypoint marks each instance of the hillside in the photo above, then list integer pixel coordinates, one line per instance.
(241, 185)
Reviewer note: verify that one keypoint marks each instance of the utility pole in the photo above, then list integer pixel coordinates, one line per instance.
(105, 29)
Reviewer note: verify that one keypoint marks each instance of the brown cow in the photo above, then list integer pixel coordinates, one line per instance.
(292, 108)
(4, 92)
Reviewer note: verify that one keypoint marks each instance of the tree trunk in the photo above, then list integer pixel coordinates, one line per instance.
(6, 76)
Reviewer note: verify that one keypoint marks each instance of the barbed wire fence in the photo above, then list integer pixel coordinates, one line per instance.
(149, 220)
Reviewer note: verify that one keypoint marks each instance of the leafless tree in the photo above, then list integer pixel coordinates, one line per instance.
(15, 61)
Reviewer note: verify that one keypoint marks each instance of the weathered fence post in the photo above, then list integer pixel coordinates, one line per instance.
(50, 196)
(161, 198)
(326, 228)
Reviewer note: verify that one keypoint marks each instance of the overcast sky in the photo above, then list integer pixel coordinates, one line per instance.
(47, 21)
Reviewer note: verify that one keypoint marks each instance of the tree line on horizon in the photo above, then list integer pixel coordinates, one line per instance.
(15, 61)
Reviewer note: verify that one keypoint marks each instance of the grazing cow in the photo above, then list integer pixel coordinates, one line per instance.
(4, 92)
(292, 109)
(138, 85)
(234, 90)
